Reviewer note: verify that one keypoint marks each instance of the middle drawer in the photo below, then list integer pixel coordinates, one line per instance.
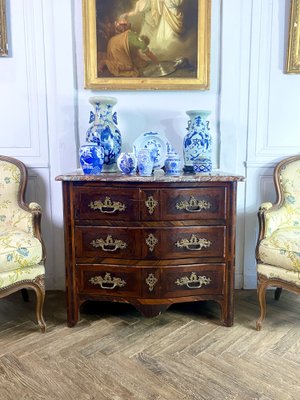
(150, 243)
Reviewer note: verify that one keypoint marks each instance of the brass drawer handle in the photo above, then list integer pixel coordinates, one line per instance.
(194, 243)
(193, 281)
(151, 203)
(151, 242)
(108, 206)
(193, 205)
(107, 282)
(109, 244)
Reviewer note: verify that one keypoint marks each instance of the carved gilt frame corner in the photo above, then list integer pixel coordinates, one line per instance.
(293, 53)
(3, 29)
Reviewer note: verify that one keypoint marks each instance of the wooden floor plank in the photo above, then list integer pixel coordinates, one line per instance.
(114, 353)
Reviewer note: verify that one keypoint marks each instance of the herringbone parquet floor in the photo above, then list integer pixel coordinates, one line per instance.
(115, 354)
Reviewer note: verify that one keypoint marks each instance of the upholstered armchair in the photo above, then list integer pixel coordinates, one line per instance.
(22, 253)
(278, 246)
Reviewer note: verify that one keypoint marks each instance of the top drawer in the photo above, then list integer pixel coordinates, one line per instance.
(106, 204)
(199, 203)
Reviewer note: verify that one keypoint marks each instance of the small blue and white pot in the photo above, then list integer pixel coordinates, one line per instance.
(91, 157)
(127, 163)
(173, 163)
(145, 162)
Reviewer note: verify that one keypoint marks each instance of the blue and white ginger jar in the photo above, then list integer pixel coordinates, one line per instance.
(104, 130)
(91, 157)
(172, 163)
(197, 143)
(127, 163)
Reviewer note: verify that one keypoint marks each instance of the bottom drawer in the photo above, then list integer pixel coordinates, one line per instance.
(192, 280)
(108, 280)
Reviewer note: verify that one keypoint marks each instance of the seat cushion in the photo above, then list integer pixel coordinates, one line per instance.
(22, 274)
(271, 272)
(18, 249)
(282, 249)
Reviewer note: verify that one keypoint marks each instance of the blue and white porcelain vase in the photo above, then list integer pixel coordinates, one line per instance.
(91, 157)
(127, 163)
(145, 162)
(172, 163)
(104, 130)
(197, 143)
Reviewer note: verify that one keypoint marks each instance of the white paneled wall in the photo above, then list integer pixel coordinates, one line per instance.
(273, 116)
(44, 108)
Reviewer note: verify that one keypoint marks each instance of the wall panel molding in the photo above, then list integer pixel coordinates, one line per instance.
(263, 140)
(27, 27)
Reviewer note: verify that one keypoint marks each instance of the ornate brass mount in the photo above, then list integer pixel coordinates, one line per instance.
(193, 205)
(151, 203)
(107, 206)
(193, 281)
(109, 244)
(151, 281)
(151, 241)
(194, 243)
(107, 282)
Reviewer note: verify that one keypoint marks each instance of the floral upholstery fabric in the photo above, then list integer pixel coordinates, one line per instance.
(289, 214)
(8, 278)
(271, 272)
(21, 253)
(281, 245)
(282, 249)
(18, 249)
(10, 212)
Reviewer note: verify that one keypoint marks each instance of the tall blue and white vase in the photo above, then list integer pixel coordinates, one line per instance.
(104, 131)
(197, 143)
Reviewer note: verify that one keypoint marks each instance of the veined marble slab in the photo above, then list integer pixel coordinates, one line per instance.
(158, 176)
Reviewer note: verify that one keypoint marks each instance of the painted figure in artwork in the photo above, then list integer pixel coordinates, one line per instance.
(171, 22)
(127, 51)
(147, 11)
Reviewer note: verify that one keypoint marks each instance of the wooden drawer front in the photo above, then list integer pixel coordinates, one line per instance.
(193, 242)
(106, 204)
(107, 242)
(192, 280)
(108, 280)
(187, 204)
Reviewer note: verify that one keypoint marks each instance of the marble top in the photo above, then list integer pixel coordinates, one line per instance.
(157, 176)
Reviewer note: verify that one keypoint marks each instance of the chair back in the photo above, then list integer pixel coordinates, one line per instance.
(13, 179)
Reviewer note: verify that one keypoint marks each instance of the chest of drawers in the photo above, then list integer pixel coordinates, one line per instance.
(149, 241)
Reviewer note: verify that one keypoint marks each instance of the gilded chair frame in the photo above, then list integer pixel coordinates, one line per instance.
(38, 283)
(264, 282)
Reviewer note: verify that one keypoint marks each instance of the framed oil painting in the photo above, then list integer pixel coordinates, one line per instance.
(293, 54)
(3, 31)
(147, 44)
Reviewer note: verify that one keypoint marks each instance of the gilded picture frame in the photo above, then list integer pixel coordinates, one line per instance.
(3, 30)
(183, 48)
(293, 53)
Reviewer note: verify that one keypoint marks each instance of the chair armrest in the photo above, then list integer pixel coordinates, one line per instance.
(270, 218)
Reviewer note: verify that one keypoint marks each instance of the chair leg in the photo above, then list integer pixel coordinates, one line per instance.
(25, 295)
(261, 292)
(40, 298)
(277, 293)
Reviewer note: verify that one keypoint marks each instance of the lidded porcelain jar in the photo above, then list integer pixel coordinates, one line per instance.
(172, 163)
(104, 130)
(197, 143)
